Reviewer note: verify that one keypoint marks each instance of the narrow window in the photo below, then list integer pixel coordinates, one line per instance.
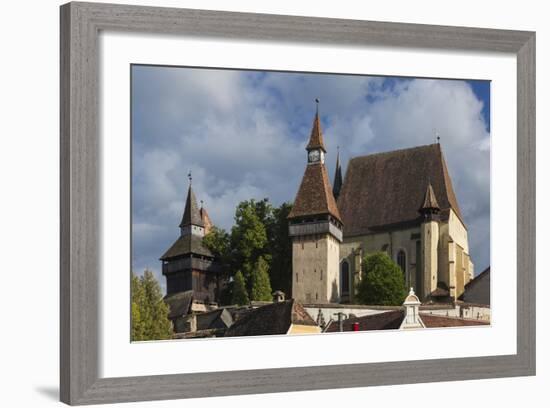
(402, 261)
(344, 277)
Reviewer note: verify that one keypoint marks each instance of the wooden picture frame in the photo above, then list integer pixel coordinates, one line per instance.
(80, 234)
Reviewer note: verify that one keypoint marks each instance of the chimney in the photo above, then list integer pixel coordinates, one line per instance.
(278, 296)
(341, 317)
(412, 317)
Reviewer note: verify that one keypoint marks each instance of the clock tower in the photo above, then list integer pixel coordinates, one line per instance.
(315, 227)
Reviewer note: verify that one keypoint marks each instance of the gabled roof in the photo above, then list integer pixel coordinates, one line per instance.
(179, 304)
(386, 189)
(483, 275)
(191, 214)
(315, 195)
(275, 318)
(380, 321)
(216, 319)
(186, 244)
(316, 138)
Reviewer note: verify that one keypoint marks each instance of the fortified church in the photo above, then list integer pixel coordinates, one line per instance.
(401, 202)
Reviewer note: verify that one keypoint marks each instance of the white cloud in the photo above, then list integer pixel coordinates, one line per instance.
(243, 135)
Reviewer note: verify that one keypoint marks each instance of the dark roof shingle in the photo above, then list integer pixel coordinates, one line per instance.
(216, 319)
(337, 185)
(430, 201)
(275, 318)
(385, 189)
(186, 244)
(380, 321)
(191, 214)
(179, 303)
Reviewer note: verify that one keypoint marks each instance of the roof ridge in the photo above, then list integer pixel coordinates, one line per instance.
(388, 152)
(449, 190)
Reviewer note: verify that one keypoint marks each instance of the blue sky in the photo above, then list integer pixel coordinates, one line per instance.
(243, 133)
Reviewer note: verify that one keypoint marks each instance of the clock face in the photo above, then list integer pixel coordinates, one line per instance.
(314, 156)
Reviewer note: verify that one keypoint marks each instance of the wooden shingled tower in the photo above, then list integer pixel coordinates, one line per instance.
(315, 226)
(188, 265)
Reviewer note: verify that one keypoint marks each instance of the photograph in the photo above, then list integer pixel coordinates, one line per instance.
(294, 203)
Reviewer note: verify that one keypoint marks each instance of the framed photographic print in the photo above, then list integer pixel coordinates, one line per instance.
(288, 189)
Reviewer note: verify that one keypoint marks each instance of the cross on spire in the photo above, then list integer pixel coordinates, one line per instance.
(436, 134)
(190, 177)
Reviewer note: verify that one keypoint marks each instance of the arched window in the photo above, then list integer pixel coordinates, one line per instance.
(344, 277)
(402, 260)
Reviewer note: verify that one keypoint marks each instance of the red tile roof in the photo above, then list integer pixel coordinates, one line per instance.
(433, 321)
(316, 138)
(315, 196)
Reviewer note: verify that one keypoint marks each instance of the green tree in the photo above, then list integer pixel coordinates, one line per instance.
(260, 230)
(280, 247)
(261, 287)
(219, 243)
(240, 295)
(382, 282)
(248, 235)
(149, 312)
(138, 298)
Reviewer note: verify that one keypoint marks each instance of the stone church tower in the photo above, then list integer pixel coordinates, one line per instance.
(188, 265)
(315, 227)
(429, 237)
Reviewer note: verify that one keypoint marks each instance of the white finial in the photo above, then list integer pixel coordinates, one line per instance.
(411, 291)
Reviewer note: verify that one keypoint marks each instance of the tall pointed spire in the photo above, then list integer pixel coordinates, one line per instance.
(191, 214)
(316, 137)
(337, 185)
(315, 196)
